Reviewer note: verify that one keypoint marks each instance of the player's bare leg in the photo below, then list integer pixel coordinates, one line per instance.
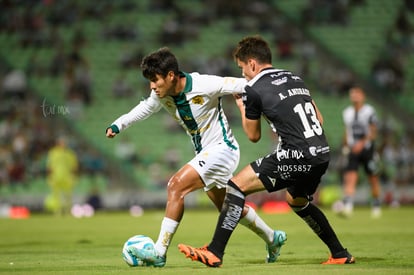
(181, 183)
(185, 181)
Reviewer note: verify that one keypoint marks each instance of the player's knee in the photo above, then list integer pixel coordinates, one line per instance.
(233, 188)
(296, 203)
(179, 187)
(173, 187)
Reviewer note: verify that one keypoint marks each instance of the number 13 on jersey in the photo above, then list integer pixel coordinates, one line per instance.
(309, 119)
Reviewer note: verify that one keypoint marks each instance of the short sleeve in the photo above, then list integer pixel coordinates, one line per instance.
(373, 119)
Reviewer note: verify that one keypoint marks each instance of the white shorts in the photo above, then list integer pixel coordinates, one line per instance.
(216, 165)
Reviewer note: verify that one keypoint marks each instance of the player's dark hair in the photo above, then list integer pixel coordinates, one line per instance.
(357, 87)
(253, 47)
(160, 62)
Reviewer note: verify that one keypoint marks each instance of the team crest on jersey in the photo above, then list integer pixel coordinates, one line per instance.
(198, 100)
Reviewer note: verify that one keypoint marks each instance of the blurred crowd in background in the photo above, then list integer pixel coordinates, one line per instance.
(29, 125)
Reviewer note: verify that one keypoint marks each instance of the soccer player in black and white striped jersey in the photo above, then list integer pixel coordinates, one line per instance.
(298, 163)
(360, 121)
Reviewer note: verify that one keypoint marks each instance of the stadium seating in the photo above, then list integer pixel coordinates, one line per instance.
(361, 41)
(364, 37)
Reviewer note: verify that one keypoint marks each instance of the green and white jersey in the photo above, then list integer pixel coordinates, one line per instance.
(198, 109)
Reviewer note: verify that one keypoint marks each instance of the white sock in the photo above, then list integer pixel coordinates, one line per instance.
(257, 225)
(349, 205)
(168, 228)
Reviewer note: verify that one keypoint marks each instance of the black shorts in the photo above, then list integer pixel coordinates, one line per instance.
(301, 177)
(367, 158)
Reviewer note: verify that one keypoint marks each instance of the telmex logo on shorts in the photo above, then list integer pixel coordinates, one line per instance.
(288, 154)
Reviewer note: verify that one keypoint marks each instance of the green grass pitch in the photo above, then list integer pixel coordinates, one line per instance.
(46, 244)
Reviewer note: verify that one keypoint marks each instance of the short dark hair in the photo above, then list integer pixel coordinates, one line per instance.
(253, 47)
(159, 62)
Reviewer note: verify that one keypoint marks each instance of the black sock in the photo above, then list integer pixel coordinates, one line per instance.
(230, 216)
(316, 220)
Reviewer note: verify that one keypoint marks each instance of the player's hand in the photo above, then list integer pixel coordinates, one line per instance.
(109, 133)
(239, 100)
(358, 147)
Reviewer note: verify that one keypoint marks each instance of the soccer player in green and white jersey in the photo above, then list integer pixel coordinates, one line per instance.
(194, 100)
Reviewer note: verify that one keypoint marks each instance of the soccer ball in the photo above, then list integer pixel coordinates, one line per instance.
(138, 242)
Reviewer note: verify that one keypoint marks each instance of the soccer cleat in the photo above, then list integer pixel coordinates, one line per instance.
(349, 259)
(273, 250)
(150, 257)
(200, 254)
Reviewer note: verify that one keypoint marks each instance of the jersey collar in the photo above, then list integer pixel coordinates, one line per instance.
(188, 83)
(262, 72)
